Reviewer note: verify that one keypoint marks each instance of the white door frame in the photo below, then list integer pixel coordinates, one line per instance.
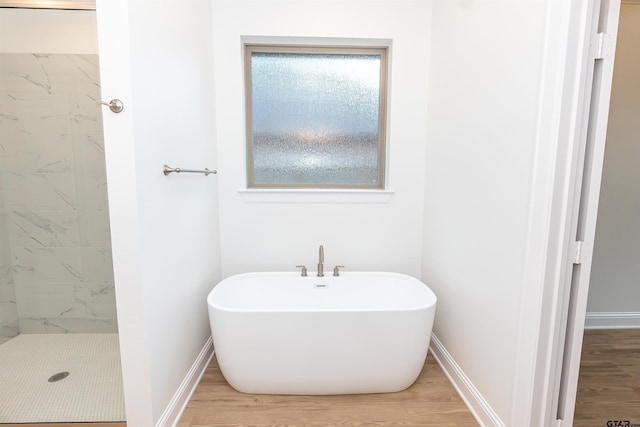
(580, 155)
(588, 174)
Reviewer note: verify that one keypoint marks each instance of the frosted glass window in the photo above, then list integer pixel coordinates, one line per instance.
(315, 116)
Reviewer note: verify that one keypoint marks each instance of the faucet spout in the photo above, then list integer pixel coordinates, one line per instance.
(321, 262)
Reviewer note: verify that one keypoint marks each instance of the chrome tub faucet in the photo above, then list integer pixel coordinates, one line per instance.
(321, 262)
(303, 272)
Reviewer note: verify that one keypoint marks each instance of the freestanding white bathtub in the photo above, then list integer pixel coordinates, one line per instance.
(279, 333)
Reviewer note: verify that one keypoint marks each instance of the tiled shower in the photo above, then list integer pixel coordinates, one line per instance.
(55, 257)
(8, 307)
(57, 298)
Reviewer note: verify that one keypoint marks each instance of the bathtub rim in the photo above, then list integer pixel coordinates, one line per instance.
(433, 299)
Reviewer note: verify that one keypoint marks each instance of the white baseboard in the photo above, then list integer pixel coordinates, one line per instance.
(479, 407)
(604, 320)
(175, 408)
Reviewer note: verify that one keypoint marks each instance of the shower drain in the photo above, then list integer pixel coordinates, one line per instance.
(58, 377)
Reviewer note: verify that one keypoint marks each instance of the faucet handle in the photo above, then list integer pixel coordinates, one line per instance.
(336, 270)
(303, 272)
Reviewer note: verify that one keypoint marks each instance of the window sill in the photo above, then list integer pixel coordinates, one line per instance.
(298, 195)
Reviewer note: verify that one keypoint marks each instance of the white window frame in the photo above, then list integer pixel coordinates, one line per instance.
(377, 49)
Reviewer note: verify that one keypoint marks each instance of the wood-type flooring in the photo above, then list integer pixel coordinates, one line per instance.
(609, 381)
(431, 401)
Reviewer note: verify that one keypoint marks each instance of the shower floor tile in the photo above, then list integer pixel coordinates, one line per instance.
(92, 392)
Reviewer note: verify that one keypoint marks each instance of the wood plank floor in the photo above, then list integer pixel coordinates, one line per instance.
(609, 381)
(431, 401)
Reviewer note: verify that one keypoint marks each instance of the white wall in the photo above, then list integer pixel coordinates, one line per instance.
(157, 58)
(277, 235)
(484, 88)
(615, 273)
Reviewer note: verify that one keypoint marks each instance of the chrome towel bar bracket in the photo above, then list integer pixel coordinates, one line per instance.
(166, 169)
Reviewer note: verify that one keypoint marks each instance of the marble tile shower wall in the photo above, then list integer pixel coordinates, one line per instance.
(8, 307)
(54, 190)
